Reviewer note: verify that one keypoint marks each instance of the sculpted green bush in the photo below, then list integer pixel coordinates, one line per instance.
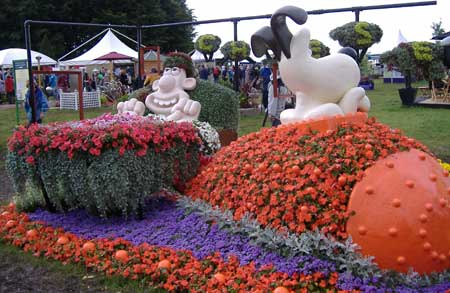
(220, 105)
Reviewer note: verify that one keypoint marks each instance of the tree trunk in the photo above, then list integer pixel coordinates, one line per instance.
(361, 55)
(408, 80)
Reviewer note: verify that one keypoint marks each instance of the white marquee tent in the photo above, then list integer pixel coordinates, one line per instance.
(109, 43)
(8, 55)
(198, 57)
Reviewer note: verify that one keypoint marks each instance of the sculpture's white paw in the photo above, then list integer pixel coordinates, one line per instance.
(325, 110)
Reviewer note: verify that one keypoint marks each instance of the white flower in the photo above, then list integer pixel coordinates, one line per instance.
(209, 137)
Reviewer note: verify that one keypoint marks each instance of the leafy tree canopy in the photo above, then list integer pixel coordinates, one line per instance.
(318, 49)
(57, 40)
(207, 44)
(437, 28)
(420, 59)
(357, 35)
(235, 50)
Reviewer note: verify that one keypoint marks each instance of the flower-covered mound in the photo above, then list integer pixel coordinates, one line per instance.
(107, 165)
(296, 180)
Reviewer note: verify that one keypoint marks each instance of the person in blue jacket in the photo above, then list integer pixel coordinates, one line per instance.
(40, 101)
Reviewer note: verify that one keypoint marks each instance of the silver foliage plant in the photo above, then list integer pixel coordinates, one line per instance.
(344, 255)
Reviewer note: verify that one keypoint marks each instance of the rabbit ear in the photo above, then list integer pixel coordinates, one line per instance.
(262, 41)
(280, 29)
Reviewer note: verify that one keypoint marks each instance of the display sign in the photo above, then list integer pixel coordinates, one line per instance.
(20, 78)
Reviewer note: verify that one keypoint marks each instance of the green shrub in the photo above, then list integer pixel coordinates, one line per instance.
(220, 105)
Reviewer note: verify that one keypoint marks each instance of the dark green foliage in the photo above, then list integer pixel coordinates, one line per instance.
(318, 49)
(56, 40)
(104, 185)
(357, 35)
(422, 60)
(220, 105)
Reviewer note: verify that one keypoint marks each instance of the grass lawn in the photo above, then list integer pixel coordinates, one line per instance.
(46, 275)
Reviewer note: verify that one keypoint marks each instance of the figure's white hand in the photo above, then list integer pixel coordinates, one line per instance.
(132, 106)
(185, 110)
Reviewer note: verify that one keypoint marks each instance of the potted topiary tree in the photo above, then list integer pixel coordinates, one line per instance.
(422, 60)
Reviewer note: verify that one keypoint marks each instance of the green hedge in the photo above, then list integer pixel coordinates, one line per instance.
(220, 105)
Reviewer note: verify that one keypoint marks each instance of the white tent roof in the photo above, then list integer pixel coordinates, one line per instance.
(8, 55)
(197, 56)
(109, 43)
(401, 38)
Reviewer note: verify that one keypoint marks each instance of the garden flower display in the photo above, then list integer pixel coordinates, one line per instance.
(296, 181)
(268, 212)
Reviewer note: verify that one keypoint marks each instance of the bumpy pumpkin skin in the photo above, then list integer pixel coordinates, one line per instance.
(402, 214)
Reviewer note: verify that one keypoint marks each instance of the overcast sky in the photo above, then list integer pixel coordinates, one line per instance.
(414, 22)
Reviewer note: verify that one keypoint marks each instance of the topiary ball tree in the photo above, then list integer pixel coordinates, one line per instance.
(318, 49)
(236, 51)
(357, 35)
(416, 59)
(207, 45)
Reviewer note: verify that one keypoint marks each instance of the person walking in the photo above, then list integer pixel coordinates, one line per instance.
(204, 72)
(39, 100)
(9, 87)
(216, 74)
(265, 75)
(276, 104)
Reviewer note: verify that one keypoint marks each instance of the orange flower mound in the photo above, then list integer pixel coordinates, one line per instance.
(292, 178)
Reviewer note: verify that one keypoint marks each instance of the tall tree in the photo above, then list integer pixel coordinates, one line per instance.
(63, 39)
(357, 35)
(437, 29)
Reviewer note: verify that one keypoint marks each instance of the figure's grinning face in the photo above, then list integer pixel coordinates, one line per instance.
(169, 91)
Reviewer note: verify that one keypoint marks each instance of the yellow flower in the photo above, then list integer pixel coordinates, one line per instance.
(446, 166)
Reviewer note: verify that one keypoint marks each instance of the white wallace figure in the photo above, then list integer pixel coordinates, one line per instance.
(170, 98)
(132, 106)
(324, 87)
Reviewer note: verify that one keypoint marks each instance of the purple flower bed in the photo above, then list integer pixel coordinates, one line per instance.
(165, 224)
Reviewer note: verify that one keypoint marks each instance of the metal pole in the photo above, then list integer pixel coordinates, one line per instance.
(357, 15)
(30, 72)
(80, 95)
(140, 57)
(236, 68)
